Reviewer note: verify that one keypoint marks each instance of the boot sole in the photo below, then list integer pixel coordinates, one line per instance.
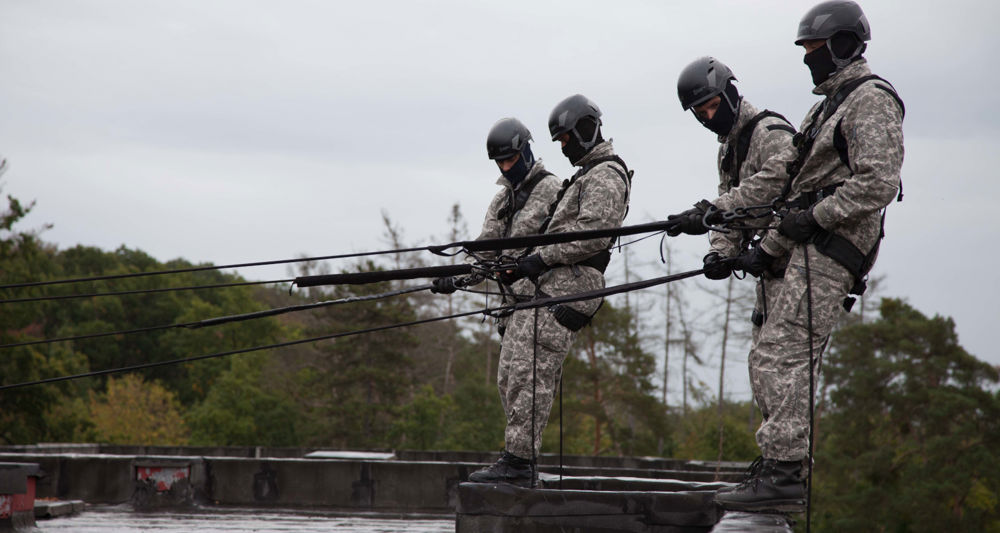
(781, 506)
(525, 483)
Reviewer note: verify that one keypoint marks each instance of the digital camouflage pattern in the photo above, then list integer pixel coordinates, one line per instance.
(769, 139)
(595, 200)
(527, 221)
(871, 122)
(780, 360)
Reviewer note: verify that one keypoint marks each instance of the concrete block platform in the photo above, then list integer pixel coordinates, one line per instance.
(45, 509)
(507, 508)
(737, 522)
(606, 483)
(610, 494)
(605, 504)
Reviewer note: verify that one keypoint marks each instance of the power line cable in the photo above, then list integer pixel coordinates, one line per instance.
(225, 319)
(233, 352)
(204, 268)
(367, 277)
(540, 302)
(460, 246)
(141, 291)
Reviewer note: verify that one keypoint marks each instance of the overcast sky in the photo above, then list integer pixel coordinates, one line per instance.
(234, 131)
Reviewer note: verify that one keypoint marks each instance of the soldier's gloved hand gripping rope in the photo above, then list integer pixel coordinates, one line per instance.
(530, 267)
(799, 226)
(694, 221)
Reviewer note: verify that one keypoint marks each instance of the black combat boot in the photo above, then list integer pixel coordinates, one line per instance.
(771, 485)
(508, 469)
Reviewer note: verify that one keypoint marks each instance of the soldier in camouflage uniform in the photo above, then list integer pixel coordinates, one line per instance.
(844, 172)
(519, 208)
(537, 340)
(748, 138)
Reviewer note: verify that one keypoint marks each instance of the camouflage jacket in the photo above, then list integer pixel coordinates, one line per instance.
(596, 200)
(770, 137)
(526, 221)
(871, 123)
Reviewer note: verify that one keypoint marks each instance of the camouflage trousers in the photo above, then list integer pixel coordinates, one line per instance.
(780, 360)
(767, 295)
(521, 383)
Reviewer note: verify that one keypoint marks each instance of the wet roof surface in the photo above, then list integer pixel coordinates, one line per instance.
(120, 519)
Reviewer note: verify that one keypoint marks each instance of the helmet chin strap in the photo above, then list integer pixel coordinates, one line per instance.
(733, 105)
(839, 62)
(588, 144)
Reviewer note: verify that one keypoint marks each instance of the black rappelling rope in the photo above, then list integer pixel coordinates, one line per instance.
(541, 302)
(467, 246)
(142, 291)
(376, 276)
(534, 390)
(302, 281)
(306, 307)
(529, 241)
(560, 429)
(232, 352)
(812, 387)
(204, 268)
(225, 319)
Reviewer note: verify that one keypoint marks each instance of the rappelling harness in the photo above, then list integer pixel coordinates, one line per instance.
(565, 315)
(736, 154)
(570, 318)
(515, 201)
(828, 243)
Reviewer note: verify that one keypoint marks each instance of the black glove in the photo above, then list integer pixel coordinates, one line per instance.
(691, 221)
(717, 267)
(800, 226)
(530, 267)
(754, 261)
(444, 285)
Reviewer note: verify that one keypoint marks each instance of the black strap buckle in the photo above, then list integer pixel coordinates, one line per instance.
(570, 318)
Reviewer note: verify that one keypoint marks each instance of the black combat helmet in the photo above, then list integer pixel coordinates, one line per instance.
(828, 18)
(704, 78)
(506, 139)
(567, 114)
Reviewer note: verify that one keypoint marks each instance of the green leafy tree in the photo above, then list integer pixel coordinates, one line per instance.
(911, 431)
(27, 413)
(353, 386)
(467, 418)
(609, 395)
(133, 411)
(245, 408)
(698, 434)
(419, 423)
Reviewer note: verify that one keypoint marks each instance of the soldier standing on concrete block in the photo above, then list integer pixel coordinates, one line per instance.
(519, 208)
(834, 189)
(537, 340)
(748, 138)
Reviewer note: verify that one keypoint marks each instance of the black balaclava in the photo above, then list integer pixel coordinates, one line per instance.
(820, 63)
(836, 53)
(586, 128)
(725, 116)
(519, 170)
